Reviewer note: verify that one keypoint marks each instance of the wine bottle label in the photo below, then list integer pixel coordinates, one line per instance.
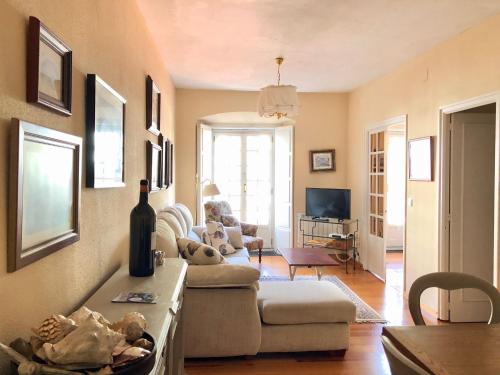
(153, 240)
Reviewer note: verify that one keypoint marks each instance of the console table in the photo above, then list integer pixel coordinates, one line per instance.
(163, 317)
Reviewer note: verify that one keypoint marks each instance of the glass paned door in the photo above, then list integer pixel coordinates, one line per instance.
(243, 171)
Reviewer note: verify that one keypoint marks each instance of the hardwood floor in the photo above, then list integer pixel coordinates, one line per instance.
(365, 354)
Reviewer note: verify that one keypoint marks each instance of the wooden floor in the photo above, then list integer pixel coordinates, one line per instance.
(365, 354)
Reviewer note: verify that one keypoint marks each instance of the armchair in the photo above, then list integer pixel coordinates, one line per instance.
(221, 212)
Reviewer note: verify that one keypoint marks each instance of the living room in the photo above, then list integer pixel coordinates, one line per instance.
(360, 69)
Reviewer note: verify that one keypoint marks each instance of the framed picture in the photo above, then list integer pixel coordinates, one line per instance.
(171, 165)
(153, 106)
(153, 166)
(44, 193)
(48, 80)
(322, 160)
(105, 133)
(421, 159)
(165, 159)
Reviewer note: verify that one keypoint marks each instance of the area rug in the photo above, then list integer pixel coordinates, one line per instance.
(364, 313)
(265, 252)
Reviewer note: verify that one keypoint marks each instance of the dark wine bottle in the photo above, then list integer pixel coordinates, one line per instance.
(142, 236)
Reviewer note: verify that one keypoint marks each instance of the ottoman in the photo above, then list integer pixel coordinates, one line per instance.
(304, 316)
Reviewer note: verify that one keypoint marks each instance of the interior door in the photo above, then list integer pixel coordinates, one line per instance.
(472, 175)
(203, 167)
(283, 177)
(376, 202)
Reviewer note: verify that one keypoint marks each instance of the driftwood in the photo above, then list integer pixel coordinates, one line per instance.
(28, 367)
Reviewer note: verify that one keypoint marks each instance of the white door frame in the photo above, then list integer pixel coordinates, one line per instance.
(401, 119)
(444, 181)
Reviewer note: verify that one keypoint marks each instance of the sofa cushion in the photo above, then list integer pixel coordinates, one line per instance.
(180, 218)
(199, 253)
(222, 275)
(214, 210)
(172, 221)
(229, 221)
(235, 237)
(240, 253)
(216, 236)
(186, 214)
(165, 239)
(303, 301)
(252, 243)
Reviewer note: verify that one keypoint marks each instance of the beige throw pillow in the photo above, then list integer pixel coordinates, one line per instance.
(235, 239)
(199, 253)
(217, 237)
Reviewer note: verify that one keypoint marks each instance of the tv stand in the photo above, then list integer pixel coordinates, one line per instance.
(334, 234)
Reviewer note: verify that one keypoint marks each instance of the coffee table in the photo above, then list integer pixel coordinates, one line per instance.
(306, 257)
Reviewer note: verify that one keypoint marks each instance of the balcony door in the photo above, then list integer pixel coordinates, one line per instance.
(243, 169)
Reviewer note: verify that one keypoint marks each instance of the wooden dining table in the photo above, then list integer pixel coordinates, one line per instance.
(455, 349)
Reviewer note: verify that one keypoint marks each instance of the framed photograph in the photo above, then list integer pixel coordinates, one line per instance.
(44, 193)
(153, 166)
(171, 165)
(165, 159)
(153, 106)
(322, 160)
(105, 133)
(421, 159)
(48, 80)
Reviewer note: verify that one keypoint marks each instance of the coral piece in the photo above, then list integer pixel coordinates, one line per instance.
(54, 328)
(132, 325)
(81, 315)
(92, 344)
(133, 332)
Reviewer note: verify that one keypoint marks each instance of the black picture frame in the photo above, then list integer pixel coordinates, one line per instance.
(171, 165)
(153, 166)
(45, 52)
(105, 135)
(44, 198)
(165, 159)
(153, 106)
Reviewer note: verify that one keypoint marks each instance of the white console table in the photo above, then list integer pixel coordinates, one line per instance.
(164, 317)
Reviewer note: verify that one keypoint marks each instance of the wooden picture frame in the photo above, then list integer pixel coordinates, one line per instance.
(105, 135)
(421, 159)
(322, 160)
(49, 67)
(153, 166)
(44, 193)
(165, 160)
(153, 106)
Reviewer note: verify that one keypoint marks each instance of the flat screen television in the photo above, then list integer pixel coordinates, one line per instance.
(328, 203)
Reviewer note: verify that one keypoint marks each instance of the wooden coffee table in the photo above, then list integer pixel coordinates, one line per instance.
(306, 257)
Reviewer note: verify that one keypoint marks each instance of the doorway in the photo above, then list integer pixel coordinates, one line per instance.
(469, 192)
(243, 162)
(386, 208)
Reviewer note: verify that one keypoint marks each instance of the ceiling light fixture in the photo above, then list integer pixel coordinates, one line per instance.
(278, 100)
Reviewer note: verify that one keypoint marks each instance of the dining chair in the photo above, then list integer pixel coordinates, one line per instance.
(451, 281)
(398, 362)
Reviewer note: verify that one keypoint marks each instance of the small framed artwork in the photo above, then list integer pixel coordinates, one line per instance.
(105, 133)
(322, 160)
(165, 159)
(153, 166)
(48, 80)
(44, 193)
(421, 159)
(153, 106)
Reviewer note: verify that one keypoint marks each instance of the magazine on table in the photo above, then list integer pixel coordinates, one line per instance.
(135, 297)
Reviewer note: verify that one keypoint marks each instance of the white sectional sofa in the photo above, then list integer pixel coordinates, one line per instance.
(227, 312)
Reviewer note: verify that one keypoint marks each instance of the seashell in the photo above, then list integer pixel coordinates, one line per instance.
(129, 355)
(81, 315)
(120, 348)
(133, 332)
(132, 325)
(143, 343)
(92, 344)
(54, 328)
(22, 346)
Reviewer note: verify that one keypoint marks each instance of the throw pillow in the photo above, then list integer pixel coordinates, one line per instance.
(198, 253)
(235, 239)
(249, 229)
(229, 221)
(218, 238)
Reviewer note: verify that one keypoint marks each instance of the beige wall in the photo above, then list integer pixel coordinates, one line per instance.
(322, 123)
(463, 67)
(108, 38)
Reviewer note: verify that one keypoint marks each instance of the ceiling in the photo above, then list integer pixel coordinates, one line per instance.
(328, 45)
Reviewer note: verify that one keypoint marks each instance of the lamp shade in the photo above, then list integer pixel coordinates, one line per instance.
(210, 190)
(278, 99)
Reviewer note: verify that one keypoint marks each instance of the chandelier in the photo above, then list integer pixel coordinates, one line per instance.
(278, 100)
